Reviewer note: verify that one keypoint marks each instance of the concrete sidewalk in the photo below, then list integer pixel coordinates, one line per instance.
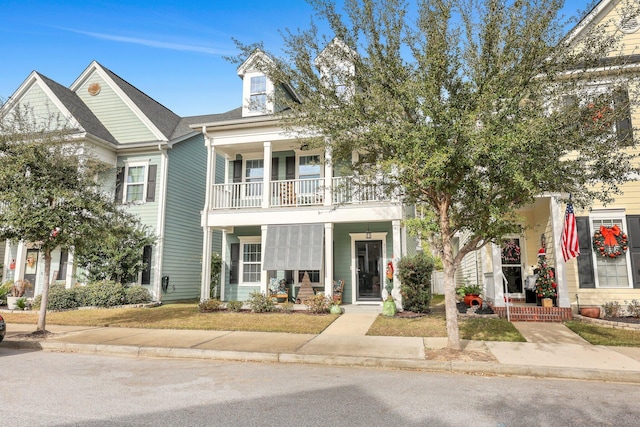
(551, 350)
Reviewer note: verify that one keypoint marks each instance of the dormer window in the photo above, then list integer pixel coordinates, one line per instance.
(258, 94)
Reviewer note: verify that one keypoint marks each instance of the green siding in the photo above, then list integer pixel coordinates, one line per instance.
(43, 110)
(183, 232)
(114, 113)
(146, 211)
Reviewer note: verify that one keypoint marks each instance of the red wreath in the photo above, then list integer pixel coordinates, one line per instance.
(610, 242)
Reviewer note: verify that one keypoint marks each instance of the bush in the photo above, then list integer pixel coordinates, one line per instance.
(210, 305)
(260, 303)
(634, 308)
(136, 294)
(415, 278)
(235, 306)
(318, 304)
(60, 298)
(612, 309)
(104, 293)
(286, 307)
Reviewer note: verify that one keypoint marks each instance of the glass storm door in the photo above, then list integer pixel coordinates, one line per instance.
(511, 256)
(368, 267)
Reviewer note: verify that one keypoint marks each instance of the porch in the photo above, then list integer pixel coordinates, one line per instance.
(295, 192)
(519, 311)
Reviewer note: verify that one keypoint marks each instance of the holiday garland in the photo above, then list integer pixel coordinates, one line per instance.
(610, 242)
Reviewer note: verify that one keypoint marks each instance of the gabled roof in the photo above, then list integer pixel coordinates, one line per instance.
(164, 119)
(184, 127)
(78, 110)
(595, 16)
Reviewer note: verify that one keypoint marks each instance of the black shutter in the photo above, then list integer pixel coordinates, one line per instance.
(151, 183)
(237, 171)
(119, 185)
(235, 263)
(290, 167)
(623, 125)
(633, 227)
(274, 169)
(586, 277)
(146, 259)
(62, 269)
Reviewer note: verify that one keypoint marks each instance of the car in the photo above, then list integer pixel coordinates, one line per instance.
(3, 328)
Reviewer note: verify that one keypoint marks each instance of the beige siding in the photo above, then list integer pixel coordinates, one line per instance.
(114, 113)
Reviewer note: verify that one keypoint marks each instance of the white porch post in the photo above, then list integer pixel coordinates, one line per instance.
(266, 179)
(397, 253)
(557, 223)
(207, 235)
(328, 258)
(264, 278)
(328, 177)
(223, 267)
(20, 260)
(498, 277)
(71, 269)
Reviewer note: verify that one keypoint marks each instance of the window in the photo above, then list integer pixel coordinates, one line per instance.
(314, 275)
(134, 183)
(309, 167)
(251, 264)
(254, 173)
(146, 259)
(258, 93)
(610, 272)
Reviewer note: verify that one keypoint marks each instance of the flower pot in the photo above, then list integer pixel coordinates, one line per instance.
(590, 312)
(389, 308)
(335, 309)
(12, 303)
(472, 299)
(547, 302)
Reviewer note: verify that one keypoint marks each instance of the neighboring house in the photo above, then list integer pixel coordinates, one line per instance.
(588, 279)
(159, 164)
(283, 211)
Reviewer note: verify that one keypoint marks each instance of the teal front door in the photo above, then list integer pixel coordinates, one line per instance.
(368, 268)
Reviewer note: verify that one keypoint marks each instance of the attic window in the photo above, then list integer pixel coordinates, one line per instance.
(258, 93)
(629, 25)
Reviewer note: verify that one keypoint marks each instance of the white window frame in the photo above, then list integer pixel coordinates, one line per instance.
(523, 258)
(257, 106)
(250, 240)
(126, 184)
(610, 214)
(246, 181)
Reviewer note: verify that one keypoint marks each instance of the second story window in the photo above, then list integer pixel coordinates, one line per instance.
(134, 184)
(258, 94)
(309, 167)
(254, 173)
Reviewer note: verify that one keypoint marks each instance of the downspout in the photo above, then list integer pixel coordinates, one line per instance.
(162, 203)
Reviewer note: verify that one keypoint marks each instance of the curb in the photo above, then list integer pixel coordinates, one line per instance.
(469, 368)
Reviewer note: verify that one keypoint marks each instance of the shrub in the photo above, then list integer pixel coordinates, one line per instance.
(286, 307)
(260, 303)
(318, 303)
(105, 293)
(612, 309)
(136, 294)
(210, 305)
(60, 298)
(235, 306)
(415, 278)
(634, 308)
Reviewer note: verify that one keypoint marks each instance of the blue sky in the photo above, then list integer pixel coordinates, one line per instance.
(171, 50)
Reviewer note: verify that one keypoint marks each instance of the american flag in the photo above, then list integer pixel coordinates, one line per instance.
(569, 240)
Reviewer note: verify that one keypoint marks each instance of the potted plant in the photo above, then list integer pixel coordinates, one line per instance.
(470, 294)
(18, 289)
(389, 305)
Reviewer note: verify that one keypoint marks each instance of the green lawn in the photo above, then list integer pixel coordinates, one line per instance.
(600, 335)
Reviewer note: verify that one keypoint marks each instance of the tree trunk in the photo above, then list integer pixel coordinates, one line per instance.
(451, 311)
(42, 314)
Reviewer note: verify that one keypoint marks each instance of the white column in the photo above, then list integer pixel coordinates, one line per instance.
(207, 234)
(71, 268)
(328, 258)
(397, 254)
(223, 266)
(498, 277)
(263, 273)
(328, 176)
(20, 260)
(205, 287)
(266, 180)
(557, 223)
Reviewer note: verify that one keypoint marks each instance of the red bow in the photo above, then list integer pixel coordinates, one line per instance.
(610, 235)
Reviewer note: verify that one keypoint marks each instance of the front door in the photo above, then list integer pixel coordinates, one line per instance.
(511, 257)
(31, 270)
(368, 268)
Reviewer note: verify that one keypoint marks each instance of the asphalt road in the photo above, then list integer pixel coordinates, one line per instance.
(53, 389)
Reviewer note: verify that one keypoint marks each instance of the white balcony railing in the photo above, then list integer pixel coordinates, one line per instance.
(294, 192)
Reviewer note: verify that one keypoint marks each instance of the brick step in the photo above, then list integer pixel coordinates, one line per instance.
(534, 313)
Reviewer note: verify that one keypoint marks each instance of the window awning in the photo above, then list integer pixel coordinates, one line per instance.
(294, 247)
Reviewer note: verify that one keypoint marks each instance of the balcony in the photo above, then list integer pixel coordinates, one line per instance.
(295, 192)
